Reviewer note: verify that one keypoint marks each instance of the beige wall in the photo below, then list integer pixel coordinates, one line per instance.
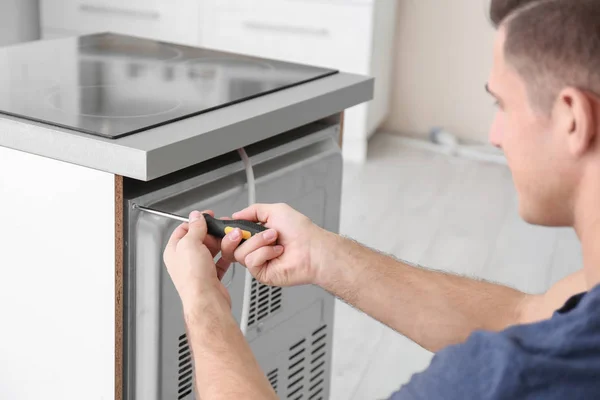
(443, 57)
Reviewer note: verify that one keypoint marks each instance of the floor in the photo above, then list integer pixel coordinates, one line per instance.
(452, 214)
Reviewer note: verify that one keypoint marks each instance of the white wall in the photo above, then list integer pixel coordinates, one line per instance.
(443, 56)
(19, 21)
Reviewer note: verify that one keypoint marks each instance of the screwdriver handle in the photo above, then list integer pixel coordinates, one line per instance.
(221, 227)
(216, 227)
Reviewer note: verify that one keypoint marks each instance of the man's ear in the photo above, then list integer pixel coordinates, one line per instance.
(575, 115)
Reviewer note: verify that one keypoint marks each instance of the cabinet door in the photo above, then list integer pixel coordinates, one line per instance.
(175, 20)
(57, 292)
(332, 35)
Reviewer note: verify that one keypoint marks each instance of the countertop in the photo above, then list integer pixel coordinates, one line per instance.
(159, 151)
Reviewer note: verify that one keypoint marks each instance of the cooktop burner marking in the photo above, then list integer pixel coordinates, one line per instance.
(152, 51)
(53, 98)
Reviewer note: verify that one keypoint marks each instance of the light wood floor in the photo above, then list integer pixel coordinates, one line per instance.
(450, 214)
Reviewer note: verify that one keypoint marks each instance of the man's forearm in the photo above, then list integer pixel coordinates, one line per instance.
(225, 367)
(432, 308)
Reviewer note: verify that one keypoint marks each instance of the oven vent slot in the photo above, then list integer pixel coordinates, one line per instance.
(186, 369)
(297, 370)
(272, 377)
(318, 359)
(264, 302)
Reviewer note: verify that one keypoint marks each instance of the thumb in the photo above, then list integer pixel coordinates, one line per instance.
(197, 227)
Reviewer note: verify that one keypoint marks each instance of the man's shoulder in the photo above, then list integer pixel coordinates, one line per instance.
(547, 359)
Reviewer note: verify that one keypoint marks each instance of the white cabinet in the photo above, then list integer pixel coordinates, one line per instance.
(349, 35)
(312, 33)
(173, 20)
(58, 286)
(19, 21)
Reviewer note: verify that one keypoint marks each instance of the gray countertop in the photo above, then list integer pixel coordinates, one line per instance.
(156, 152)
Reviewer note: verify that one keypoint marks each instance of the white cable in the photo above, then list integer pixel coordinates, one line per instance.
(448, 143)
(248, 279)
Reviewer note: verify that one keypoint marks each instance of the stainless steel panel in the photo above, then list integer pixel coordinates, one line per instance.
(305, 173)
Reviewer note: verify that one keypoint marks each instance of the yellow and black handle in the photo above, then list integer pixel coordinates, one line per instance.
(221, 227)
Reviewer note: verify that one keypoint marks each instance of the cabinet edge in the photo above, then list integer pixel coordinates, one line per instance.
(119, 246)
(342, 129)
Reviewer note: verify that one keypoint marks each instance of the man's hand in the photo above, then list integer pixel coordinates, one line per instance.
(189, 257)
(224, 365)
(286, 254)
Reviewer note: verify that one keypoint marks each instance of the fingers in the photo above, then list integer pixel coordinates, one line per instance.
(197, 226)
(232, 251)
(262, 256)
(222, 267)
(213, 244)
(178, 234)
(230, 243)
(183, 229)
(263, 239)
(255, 213)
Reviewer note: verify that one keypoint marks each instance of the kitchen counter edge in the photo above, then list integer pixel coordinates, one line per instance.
(157, 152)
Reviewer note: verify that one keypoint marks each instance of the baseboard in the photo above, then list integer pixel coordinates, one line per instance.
(478, 152)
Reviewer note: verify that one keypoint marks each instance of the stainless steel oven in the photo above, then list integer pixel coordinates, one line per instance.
(290, 329)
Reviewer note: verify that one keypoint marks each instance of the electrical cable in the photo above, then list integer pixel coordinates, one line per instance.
(248, 276)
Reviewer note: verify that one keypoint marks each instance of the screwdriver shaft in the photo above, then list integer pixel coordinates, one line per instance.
(161, 213)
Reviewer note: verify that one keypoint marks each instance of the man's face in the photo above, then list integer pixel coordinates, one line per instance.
(532, 144)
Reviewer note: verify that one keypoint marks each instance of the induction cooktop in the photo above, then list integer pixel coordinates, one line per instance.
(114, 85)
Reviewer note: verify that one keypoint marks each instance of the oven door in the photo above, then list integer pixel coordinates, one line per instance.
(305, 172)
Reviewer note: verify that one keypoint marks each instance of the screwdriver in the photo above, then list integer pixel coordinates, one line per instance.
(216, 227)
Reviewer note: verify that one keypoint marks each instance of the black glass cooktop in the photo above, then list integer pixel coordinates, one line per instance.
(114, 85)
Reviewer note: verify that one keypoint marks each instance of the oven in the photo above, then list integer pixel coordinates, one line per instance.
(289, 329)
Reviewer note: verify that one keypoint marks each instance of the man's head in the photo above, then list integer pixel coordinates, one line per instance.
(545, 76)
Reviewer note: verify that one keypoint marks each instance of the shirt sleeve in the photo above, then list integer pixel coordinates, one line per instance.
(482, 367)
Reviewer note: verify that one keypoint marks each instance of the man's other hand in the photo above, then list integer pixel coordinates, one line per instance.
(286, 254)
(189, 257)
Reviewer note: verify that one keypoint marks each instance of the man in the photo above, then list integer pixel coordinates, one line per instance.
(492, 342)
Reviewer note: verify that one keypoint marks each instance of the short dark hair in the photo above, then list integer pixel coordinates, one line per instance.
(500, 9)
(552, 44)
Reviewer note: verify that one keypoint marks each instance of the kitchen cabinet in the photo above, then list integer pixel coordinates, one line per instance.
(60, 294)
(19, 21)
(64, 298)
(173, 20)
(349, 35)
